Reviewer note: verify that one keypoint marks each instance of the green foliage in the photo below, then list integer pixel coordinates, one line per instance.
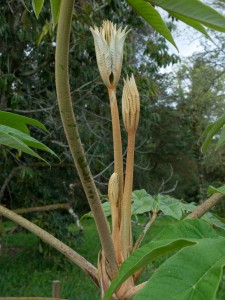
(55, 8)
(19, 122)
(194, 13)
(198, 239)
(193, 10)
(213, 190)
(16, 139)
(151, 15)
(15, 134)
(211, 131)
(21, 257)
(37, 6)
(142, 202)
(181, 277)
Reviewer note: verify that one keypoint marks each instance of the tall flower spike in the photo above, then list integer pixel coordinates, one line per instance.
(109, 51)
(130, 105)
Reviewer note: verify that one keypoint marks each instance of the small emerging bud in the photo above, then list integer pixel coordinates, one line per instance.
(109, 51)
(130, 104)
(113, 189)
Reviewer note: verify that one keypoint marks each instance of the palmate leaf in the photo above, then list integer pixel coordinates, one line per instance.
(151, 15)
(19, 122)
(192, 273)
(143, 202)
(170, 206)
(173, 237)
(16, 139)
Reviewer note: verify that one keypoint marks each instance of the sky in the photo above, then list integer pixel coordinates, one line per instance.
(187, 40)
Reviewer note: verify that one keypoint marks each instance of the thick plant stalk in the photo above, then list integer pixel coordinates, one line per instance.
(117, 145)
(72, 134)
(206, 206)
(54, 242)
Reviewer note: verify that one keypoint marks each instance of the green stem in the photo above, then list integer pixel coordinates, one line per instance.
(54, 242)
(72, 134)
(145, 230)
(126, 238)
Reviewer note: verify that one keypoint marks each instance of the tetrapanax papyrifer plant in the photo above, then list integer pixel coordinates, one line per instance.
(117, 242)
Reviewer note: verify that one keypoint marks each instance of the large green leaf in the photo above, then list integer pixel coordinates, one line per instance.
(214, 220)
(143, 202)
(170, 206)
(151, 15)
(142, 257)
(37, 6)
(192, 273)
(19, 122)
(173, 237)
(194, 10)
(194, 24)
(196, 229)
(16, 139)
(55, 8)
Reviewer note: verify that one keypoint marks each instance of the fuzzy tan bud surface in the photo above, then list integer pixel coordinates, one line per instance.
(109, 43)
(130, 105)
(113, 189)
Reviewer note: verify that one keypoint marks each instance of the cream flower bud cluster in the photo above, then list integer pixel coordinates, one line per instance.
(130, 105)
(109, 51)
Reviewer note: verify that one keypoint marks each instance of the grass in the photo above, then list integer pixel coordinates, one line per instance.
(27, 271)
(27, 267)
